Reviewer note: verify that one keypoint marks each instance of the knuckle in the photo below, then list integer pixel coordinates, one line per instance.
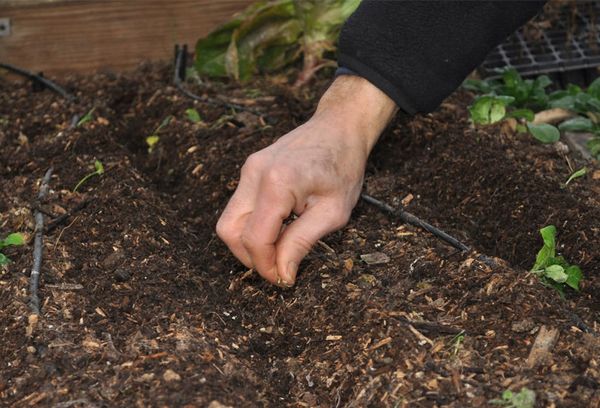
(279, 174)
(340, 218)
(252, 164)
(302, 243)
(225, 230)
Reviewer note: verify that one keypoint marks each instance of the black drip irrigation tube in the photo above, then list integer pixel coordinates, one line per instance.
(179, 79)
(411, 219)
(38, 79)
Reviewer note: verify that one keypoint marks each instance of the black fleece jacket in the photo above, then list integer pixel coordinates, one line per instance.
(419, 52)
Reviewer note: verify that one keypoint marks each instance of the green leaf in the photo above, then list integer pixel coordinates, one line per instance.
(526, 114)
(556, 273)
(497, 112)
(164, 123)
(4, 259)
(565, 102)
(576, 124)
(99, 167)
(579, 173)
(488, 109)
(594, 146)
(480, 110)
(193, 115)
(15, 238)
(478, 85)
(86, 118)
(151, 141)
(575, 275)
(544, 132)
(548, 251)
(523, 399)
(594, 88)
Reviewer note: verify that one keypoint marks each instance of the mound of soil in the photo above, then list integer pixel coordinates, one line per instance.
(142, 305)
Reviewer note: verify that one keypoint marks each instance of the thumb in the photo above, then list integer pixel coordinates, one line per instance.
(301, 235)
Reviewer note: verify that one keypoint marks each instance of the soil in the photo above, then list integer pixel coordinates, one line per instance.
(142, 305)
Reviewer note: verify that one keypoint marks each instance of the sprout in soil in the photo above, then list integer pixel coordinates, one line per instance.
(98, 172)
(13, 239)
(522, 399)
(153, 139)
(579, 173)
(555, 271)
(193, 115)
(88, 117)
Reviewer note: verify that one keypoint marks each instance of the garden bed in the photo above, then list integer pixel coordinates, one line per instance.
(142, 305)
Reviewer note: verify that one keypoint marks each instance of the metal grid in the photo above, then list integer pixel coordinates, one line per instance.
(572, 43)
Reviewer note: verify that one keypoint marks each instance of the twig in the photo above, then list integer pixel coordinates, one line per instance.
(38, 78)
(180, 76)
(34, 280)
(64, 217)
(417, 222)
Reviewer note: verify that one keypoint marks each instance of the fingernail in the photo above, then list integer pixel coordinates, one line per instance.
(290, 273)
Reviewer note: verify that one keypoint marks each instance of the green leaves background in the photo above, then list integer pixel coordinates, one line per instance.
(269, 35)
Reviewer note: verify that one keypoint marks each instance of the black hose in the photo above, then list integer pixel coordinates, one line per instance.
(39, 79)
(179, 77)
(417, 222)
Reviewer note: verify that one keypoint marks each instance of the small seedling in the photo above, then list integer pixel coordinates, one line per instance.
(522, 399)
(99, 171)
(579, 173)
(88, 117)
(153, 139)
(457, 342)
(193, 115)
(13, 239)
(555, 271)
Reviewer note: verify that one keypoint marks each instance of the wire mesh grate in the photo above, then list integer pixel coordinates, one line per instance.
(571, 43)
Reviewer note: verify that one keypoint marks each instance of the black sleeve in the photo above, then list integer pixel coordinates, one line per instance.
(419, 52)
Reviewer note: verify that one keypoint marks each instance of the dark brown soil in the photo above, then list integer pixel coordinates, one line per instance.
(142, 305)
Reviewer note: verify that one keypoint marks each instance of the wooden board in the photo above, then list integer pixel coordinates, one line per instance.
(66, 36)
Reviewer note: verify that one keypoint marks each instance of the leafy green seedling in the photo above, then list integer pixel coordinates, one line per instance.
(98, 172)
(488, 109)
(13, 239)
(522, 399)
(555, 271)
(579, 173)
(88, 117)
(153, 139)
(193, 115)
(544, 132)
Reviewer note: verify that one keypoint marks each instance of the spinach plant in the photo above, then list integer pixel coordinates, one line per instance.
(553, 270)
(513, 96)
(522, 399)
(13, 239)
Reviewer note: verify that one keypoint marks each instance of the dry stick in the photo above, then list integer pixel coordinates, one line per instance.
(417, 222)
(34, 279)
(209, 101)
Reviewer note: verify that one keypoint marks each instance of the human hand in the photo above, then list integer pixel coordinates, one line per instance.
(315, 171)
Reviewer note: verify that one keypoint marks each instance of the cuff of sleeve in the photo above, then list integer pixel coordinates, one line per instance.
(351, 66)
(344, 71)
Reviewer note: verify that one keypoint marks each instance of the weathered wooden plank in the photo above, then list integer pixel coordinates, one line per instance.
(84, 36)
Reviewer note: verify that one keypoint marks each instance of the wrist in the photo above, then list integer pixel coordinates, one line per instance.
(360, 108)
